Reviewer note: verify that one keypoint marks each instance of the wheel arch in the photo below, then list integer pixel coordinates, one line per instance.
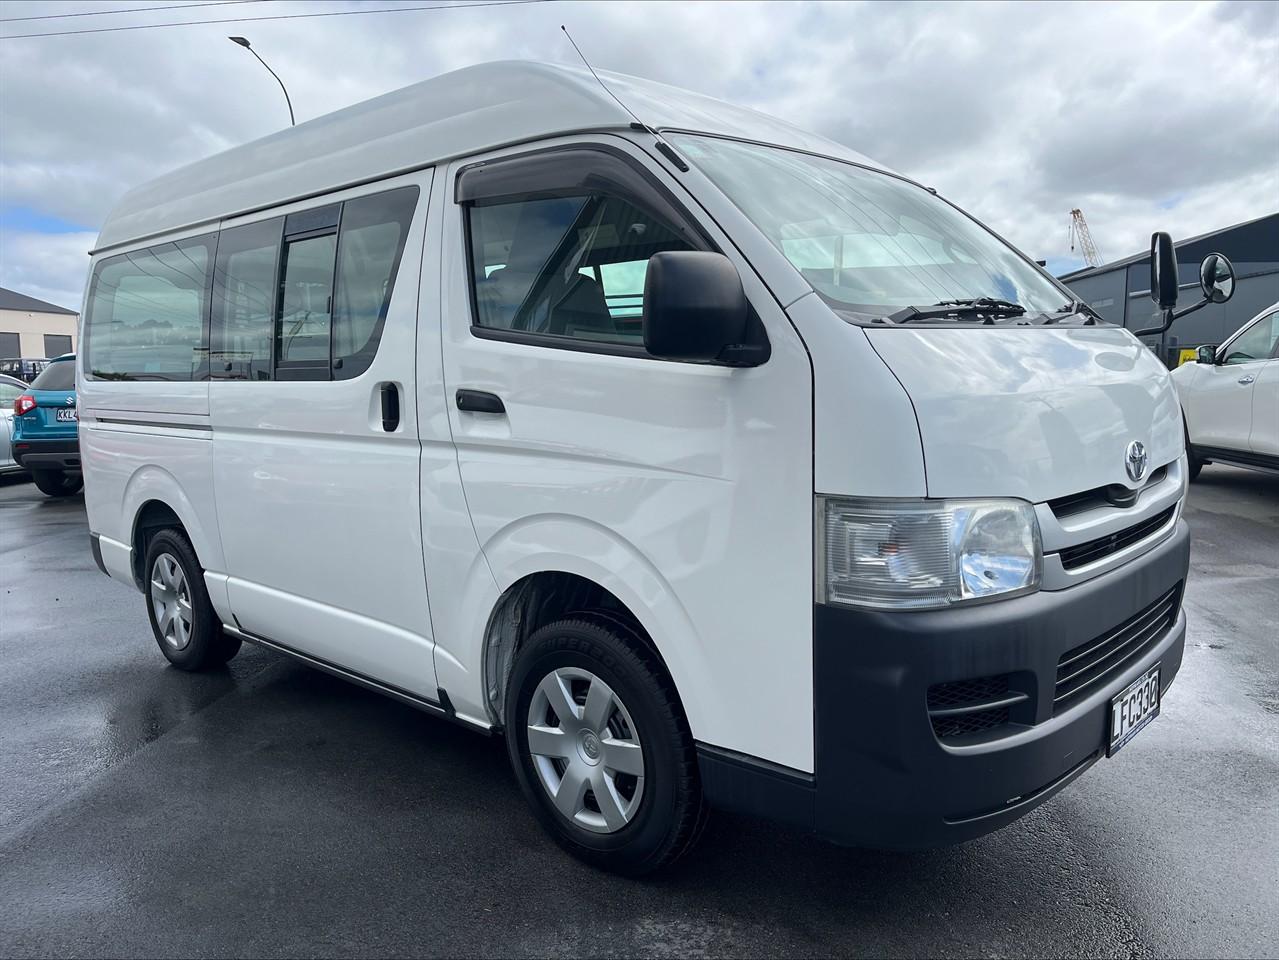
(549, 566)
(155, 499)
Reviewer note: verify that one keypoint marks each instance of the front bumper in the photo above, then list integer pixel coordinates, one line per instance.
(47, 454)
(882, 776)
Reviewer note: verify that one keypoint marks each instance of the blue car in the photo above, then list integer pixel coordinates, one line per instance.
(46, 438)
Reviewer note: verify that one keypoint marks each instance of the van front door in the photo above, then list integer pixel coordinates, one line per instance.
(315, 439)
(684, 489)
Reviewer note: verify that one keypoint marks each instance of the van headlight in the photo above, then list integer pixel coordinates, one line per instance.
(916, 554)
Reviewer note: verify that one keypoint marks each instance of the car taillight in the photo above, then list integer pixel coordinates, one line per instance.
(23, 404)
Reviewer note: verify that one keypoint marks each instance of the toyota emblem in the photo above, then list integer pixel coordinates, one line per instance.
(1135, 460)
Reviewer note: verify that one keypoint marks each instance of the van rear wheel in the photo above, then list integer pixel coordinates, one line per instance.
(57, 483)
(185, 626)
(600, 746)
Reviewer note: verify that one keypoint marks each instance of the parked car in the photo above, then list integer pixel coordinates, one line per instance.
(713, 466)
(25, 369)
(10, 389)
(45, 436)
(1230, 398)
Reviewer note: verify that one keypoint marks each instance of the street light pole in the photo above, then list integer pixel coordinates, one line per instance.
(242, 41)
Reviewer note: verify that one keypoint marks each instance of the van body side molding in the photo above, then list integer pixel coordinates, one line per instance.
(440, 708)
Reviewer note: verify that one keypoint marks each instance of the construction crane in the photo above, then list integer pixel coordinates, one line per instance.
(1079, 232)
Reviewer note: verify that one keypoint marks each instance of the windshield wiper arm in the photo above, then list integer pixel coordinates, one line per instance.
(987, 307)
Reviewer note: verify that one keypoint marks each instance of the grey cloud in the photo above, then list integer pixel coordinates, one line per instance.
(1016, 111)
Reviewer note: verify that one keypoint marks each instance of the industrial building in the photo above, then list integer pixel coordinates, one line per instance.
(34, 328)
(1120, 291)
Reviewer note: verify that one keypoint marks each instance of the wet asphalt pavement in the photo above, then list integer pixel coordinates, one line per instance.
(271, 810)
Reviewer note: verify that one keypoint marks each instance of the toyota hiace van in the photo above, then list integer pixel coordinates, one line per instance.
(709, 462)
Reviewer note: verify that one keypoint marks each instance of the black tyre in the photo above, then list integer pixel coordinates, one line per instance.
(182, 619)
(57, 483)
(600, 746)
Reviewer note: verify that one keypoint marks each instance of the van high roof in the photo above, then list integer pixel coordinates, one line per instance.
(470, 110)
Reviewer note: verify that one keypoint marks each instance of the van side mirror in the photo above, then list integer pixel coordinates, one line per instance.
(695, 309)
(1217, 278)
(1163, 271)
(1206, 354)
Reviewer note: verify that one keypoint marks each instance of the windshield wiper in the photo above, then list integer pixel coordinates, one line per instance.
(987, 307)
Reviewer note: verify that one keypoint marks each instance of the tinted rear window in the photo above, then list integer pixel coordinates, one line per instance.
(56, 376)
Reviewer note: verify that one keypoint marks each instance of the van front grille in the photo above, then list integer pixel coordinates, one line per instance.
(1082, 554)
(969, 708)
(1111, 495)
(1090, 665)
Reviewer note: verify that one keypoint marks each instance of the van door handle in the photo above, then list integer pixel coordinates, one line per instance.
(390, 407)
(479, 401)
(1248, 379)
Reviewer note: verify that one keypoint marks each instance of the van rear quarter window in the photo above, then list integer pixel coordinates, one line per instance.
(146, 313)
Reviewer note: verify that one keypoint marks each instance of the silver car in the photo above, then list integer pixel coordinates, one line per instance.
(10, 389)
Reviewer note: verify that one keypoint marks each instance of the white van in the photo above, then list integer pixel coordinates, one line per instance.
(713, 464)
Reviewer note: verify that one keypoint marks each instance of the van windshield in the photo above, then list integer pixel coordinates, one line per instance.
(869, 243)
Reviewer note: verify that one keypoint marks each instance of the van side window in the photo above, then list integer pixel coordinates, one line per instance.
(305, 297)
(306, 302)
(244, 301)
(306, 294)
(370, 245)
(567, 266)
(145, 319)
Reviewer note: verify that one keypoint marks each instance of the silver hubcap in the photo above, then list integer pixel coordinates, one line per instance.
(586, 750)
(171, 601)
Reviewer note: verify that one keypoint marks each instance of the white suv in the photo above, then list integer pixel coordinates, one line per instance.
(1231, 398)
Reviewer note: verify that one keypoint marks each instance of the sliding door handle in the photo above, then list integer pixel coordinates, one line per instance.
(390, 407)
(479, 401)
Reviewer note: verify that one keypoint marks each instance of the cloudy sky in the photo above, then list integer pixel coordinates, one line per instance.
(1147, 116)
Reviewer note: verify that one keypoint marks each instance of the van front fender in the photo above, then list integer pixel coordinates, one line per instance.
(562, 543)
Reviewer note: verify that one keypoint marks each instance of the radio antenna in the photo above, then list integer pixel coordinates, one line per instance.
(666, 149)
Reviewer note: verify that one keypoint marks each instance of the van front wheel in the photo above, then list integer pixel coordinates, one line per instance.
(185, 626)
(600, 746)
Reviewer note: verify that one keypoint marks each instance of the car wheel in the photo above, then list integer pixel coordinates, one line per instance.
(601, 747)
(183, 621)
(57, 483)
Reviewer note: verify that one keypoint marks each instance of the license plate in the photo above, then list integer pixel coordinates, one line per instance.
(67, 413)
(1133, 709)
